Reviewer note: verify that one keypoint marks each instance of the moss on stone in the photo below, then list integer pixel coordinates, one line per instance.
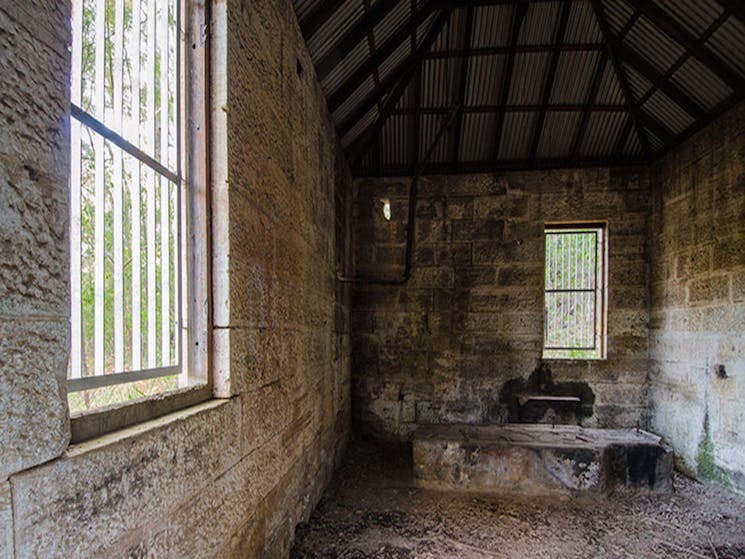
(705, 463)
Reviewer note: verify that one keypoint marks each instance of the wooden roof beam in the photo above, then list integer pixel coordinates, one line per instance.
(405, 72)
(353, 37)
(591, 96)
(622, 80)
(691, 43)
(351, 84)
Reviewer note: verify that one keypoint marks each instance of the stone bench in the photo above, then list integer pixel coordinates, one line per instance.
(533, 459)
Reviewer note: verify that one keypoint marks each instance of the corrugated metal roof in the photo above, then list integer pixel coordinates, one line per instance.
(394, 145)
(484, 79)
(517, 135)
(582, 26)
(558, 134)
(644, 37)
(437, 82)
(346, 67)
(609, 90)
(430, 127)
(693, 15)
(491, 26)
(701, 84)
(528, 76)
(728, 43)
(667, 112)
(477, 137)
(334, 27)
(539, 26)
(574, 74)
(601, 134)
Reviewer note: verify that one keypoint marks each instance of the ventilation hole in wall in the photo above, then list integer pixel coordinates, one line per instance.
(299, 69)
(386, 208)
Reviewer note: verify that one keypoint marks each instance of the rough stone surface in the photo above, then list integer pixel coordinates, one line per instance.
(6, 522)
(540, 459)
(34, 163)
(698, 307)
(441, 348)
(228, 478)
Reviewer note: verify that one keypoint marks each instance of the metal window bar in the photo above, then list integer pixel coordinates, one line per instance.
(573, 289)
(125, 143)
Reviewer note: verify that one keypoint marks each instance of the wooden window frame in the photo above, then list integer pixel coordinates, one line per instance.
(193, 112)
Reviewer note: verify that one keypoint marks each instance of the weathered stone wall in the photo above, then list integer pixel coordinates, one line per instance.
(233, 476)
(441, 348)
(698, 301)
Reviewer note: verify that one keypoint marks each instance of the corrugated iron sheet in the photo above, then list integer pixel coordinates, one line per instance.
(609, 90)
(557, 135)
(365, 89)
(492, 26)
(601, 134)
(633, 147)
(451, 37)
(392, 22)
(647, 39)
(701, 84)
(429, 128)
(618, 14)
(394, 142)
(394, 60)
(359, 55)
(517, 134)
(694, 15)
(574, 74)
(528, 76)
(477, 137)
(334, 28)
(484, 79)
(439, 81)
(729, 44)
(539, 26)
(364, 123)
(303, 7)
(582, 26)
(666, 111)
(639, 84)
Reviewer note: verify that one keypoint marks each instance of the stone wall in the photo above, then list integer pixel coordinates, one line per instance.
(441, 348)
(698, 301)
(233, 476)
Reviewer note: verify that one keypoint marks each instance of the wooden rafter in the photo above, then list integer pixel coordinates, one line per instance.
(381, 55)
(668, 25)
(352, 37)
(548, 85)
(406, 71)
(462, 84)
(317, 16)
(659, 81)
(621, 76)
(734, 7)
(520, 11)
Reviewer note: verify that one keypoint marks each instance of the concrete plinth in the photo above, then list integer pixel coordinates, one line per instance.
(540, 459)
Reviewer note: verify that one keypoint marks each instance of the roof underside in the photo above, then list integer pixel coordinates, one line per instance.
(478, 85)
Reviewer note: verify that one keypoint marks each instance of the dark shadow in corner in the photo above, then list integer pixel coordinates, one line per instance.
(540, 400)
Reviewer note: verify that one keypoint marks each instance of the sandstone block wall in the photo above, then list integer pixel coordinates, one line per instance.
(441, 348)
(233, 476)
(698, 301)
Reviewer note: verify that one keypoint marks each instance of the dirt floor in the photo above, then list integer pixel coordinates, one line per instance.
(373, 509)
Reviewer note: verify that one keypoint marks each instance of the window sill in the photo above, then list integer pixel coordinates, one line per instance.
(95, 423)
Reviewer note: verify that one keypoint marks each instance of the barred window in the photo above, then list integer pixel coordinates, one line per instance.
(575, 291)
(126, 203)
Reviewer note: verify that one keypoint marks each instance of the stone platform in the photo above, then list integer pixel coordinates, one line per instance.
(538, 459)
